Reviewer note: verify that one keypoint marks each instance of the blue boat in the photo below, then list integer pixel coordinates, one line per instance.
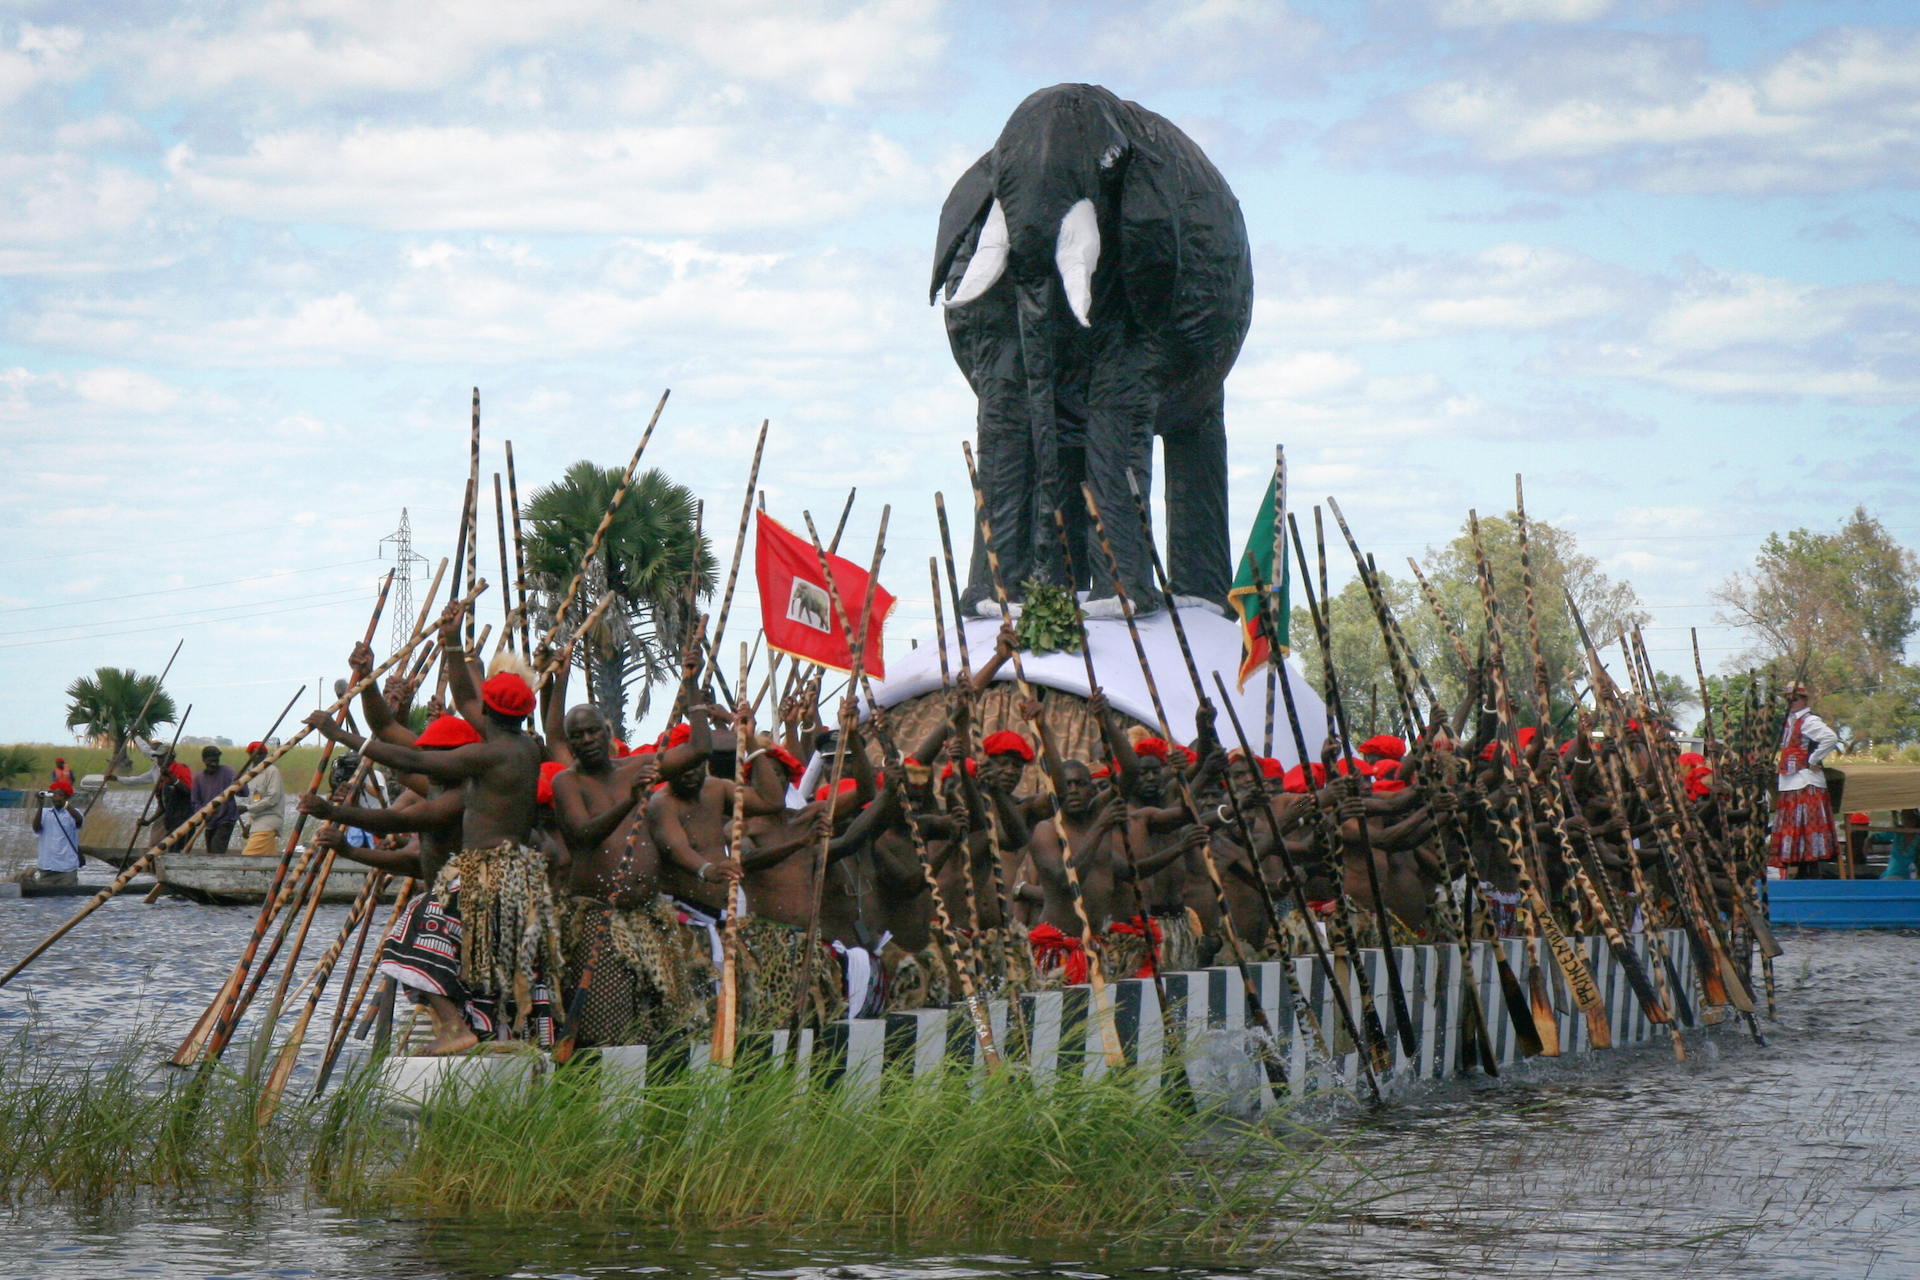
(1844, 904)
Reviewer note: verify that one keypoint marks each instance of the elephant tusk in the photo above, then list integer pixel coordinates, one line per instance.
(1077, 254)
(989, 259)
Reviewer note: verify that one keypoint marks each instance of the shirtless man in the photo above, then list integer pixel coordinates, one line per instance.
(641, 989)
(1058, 940)
(498, 778)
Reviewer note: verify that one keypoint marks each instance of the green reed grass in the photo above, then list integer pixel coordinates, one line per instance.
(955, 1155)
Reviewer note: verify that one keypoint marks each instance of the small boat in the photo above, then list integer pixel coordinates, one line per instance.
(1844, 904)
(227, 878)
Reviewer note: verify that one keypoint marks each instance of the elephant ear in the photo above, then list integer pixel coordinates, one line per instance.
(960, 220)
(1149, 236)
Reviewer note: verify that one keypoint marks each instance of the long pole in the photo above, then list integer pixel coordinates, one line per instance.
(739, 546)
(473, 513)
(342, 1025)
(942, 919)
(600, 532)
(159, 781)
(726, 1018)
(127, 731)
(191, 825)
(1383, 919)
(519, 557)
(1256, 1009)
(276, 1081)
(1373, 1053)
(506, 567)
(857, 655)
(1096, 967)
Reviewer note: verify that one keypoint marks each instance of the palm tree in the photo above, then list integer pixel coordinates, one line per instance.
(648, 562)
(107, 707)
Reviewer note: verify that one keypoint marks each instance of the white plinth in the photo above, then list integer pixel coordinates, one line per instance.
(1216, 647)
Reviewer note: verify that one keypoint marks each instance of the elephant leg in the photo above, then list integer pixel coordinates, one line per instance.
(1119, 439)
(1199, 552)
(1005, 462)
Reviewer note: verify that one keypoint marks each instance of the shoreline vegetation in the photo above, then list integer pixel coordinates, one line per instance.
(955, 1155)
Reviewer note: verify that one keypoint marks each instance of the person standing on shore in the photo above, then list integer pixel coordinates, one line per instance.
(1803, 813)
(266, 800)
(208, 783)
(58, 829)
(61, 773)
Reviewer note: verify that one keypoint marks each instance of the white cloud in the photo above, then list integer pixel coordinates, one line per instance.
(321, 50)
(1367, 297)
(1495, 13)
(1195, 41)
(1578, 110)
(1740, 335)
(669, 179)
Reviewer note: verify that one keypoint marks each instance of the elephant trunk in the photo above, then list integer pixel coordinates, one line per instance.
(1032, 304)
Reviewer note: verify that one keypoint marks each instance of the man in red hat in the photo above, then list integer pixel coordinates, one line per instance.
(500, 872)
(641, 990)
(266, 797)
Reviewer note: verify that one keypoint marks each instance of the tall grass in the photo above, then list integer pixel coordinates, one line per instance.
(952, 1156)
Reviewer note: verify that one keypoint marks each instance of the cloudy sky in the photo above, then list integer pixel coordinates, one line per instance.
(1664, 258)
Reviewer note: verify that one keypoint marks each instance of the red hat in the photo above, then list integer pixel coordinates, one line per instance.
(1188, 752)
(64, 788)
(847, 787)
(1383, 744)
(1271, 768)
(1698, 781)
(786, 758)
(254, 746)
(1295, 779)
(621, 750)
(680, 733)
(1385, 785)
(947, 772)
(59, 759)
(1007, 742)
(1858, 819)
(448, 731)
(545, 792)
(1526, 736)
(1101, 772)
(1155, 747)
(507, 694)
(646, 749)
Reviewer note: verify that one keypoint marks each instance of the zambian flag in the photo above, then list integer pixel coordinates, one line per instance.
(1255, 644)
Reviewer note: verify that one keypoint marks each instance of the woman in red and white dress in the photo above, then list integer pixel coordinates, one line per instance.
(1803, 813)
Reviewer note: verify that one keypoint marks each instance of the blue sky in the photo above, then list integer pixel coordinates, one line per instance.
(1663, 258)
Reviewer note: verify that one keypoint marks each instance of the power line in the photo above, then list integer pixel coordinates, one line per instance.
(104, 635)
(202, 586)
(151, 617)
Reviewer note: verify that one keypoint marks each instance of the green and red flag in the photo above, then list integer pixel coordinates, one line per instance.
(1256, 645)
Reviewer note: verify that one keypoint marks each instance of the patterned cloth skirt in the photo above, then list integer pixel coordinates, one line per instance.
(1802, 827)
(643, 989)
(422, 954)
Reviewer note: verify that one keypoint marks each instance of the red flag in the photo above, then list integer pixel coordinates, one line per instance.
(796, 611)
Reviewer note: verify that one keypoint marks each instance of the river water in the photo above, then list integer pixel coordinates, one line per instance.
(1800, 1159)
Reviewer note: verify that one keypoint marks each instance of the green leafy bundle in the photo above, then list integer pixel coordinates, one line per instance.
(1046, 623)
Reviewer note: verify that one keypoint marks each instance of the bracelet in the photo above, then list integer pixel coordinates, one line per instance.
(701, 875)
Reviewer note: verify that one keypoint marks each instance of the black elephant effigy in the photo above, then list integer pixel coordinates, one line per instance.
(1098, 284)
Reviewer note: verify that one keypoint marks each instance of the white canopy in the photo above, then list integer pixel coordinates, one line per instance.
(1216, 647)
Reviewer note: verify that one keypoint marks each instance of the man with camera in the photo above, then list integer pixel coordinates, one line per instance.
(58, 828)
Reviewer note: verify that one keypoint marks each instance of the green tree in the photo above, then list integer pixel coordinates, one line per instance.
(106, 706)
(647, 561)
(1360, 659)
(15, 761)
(1835, 610)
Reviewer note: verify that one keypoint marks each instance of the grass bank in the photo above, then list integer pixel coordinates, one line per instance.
(954, 1156)
(296, 764)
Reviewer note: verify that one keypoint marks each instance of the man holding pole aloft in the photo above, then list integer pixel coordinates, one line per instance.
(498, 883)
(1803, 814)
